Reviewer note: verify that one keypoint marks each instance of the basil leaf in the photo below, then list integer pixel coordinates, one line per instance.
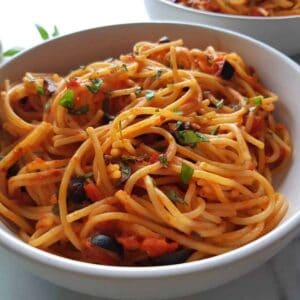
(186, 173)
(42, 31)
(174, 197)
(80, 111)
(163, 160)
(11, 52)
(67, 100)
(149, 95)
(190, 137)
(55, 32)
(95, 86)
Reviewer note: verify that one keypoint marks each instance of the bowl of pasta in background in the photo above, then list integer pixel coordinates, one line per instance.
(277, 72)
(280, 32)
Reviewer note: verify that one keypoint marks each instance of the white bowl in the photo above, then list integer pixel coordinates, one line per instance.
(280, 32)
(278, 73)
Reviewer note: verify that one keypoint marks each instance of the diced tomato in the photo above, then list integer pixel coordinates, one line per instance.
(93, 192)
(258, 123)
(129, 242)
(151, 245)
(255, 12)
(98, 255)
(157, 246)
(211, 6)
(73, 84)
(153, 158)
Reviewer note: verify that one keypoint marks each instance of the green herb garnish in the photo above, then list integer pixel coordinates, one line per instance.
(80, 111)
(95, 85)
(163, 160)
(40, 90)
(11, 52)
(215, 131)
(174, 197)
(149, 94)
(42, 31)
(88, 175)
(186, 173)
(190, 137)
(55, 32)
(67, 100)
(124, 67)
(125, 172)
(257, 100)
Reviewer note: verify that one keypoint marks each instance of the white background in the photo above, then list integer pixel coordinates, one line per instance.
(277, 279)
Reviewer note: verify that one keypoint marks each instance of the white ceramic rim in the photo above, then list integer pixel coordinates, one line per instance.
(93, 270)
(228, 16)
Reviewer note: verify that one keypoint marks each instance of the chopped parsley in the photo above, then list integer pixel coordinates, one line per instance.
(163, 160)
(124, 68)
(95, 85)
(40, 90)
(80, 111)
(174, 197)
(186, 173)
(257, 100)
(190, 137)
(67, 100)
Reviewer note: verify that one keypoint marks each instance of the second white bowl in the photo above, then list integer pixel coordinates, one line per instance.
(280, 32)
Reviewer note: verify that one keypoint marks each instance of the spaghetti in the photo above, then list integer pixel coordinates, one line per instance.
(162, 156)
(260, 8)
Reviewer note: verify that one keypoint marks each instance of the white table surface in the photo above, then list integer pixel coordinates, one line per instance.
(277, 279)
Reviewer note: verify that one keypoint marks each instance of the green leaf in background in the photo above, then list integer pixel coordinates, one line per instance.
(42, 31)
(11, 52)
(55, 32)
